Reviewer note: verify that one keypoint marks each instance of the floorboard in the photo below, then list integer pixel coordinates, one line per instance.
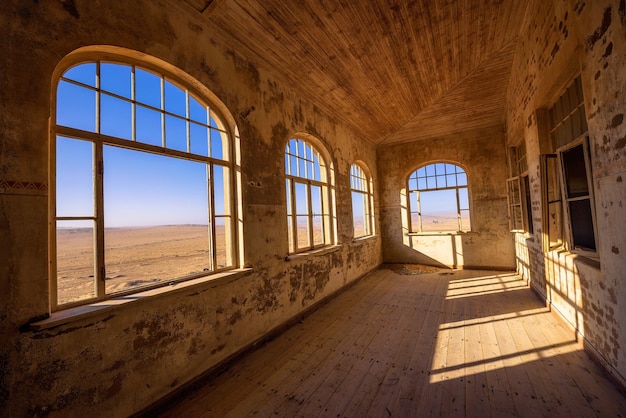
(401, 343)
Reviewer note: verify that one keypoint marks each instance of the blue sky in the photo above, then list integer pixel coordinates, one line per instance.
(140, 189)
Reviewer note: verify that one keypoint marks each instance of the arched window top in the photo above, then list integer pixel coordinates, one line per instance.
(142, 160)
(439, 198)
(359, 178)
(130, 102)
(437, 176)
(304, 160)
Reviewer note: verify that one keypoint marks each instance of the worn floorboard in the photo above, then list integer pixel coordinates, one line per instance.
(397, 344)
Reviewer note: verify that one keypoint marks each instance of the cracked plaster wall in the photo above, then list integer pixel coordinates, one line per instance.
(563, 39)
(128, 358)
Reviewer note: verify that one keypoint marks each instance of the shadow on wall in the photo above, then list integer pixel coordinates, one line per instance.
(448, 249)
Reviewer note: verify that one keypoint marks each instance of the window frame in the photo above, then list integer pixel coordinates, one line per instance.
(99, 141)
(361, 184)
(519, 184)
(420, 230)
(325, 183)
(567, 129)
(582, 142)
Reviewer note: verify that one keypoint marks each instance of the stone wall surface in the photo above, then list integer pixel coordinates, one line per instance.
(564, 39)
(130, 357)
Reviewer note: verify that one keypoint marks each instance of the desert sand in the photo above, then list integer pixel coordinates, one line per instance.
(134, 257)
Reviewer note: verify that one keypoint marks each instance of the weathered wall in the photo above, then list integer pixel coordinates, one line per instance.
(563, 39)
(128, 358)
(481, 154)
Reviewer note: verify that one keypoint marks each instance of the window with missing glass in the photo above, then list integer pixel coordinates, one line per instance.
(309, 189)
(143, 191)
(439, 199)
(362, 201)
(518, 187)
(569, 211)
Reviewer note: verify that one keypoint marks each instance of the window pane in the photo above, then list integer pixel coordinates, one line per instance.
(359, 203)
(463, 199)
(219, 145)
(223, 243)
(76, 106)
(412, 184)
(144, 189)
(439, 210)
(197, 111)
(288, 188)
(430, 170)
(148, 88)
(74, 177)
(461, 179)
(582, 224)
(199, 137)
(221, 191)
(575, 172)
(175, 133)
(302, 199)
(141, 256)
(175, 99)
(156, 218)
(116, 117)
(116, 78)
(441, 182)
(83, 73)
(465, 220)
(75, 261)
(303, 231)
(421, 184)
(148, 126)
(290, 233)
(316, 200)
(451, 180)
(431, 182)
(317, 172)
(318, 230)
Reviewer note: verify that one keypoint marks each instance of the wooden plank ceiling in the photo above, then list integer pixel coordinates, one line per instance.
(394, 70)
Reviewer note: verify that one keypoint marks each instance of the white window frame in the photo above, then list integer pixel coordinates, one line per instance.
(100, 140)
(307, 167)
(361, 186)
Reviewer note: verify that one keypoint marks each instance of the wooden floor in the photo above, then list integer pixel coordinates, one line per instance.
(448, 343)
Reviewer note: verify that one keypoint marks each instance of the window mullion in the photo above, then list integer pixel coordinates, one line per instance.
(211, 206)
(100, 273)
(310, 217)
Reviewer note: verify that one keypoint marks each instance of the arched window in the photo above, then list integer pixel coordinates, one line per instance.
(143, 183)
(362, 201)
(438, 199)
(309, 196)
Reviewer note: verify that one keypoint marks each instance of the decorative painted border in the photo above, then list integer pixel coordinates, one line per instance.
(23, 187)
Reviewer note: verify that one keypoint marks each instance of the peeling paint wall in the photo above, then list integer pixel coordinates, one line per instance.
(131, 356)
(481, 154)
(564, 39)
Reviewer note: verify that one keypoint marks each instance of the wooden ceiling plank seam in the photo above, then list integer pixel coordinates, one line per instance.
(501, 67)
(278, 67)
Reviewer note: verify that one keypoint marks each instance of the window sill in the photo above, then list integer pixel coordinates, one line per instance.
(589, 258)
(442, 233)
(364, 238)
(317, 252)
(77, 313)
